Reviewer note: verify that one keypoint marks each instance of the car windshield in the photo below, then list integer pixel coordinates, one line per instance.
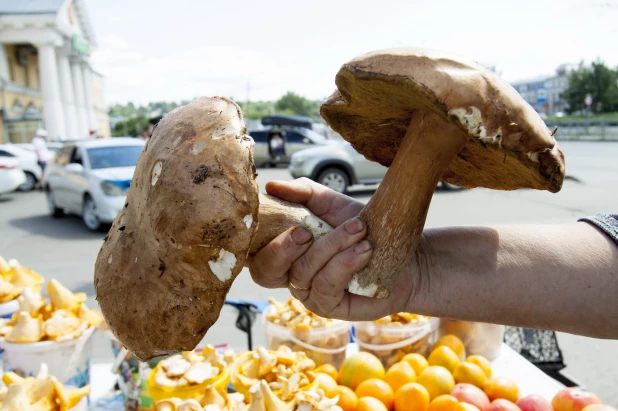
(119, 156)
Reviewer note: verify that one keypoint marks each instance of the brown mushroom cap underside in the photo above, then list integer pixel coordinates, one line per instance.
(164, 270)
(510, 146)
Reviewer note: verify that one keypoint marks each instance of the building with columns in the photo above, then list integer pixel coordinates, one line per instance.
(46, 79)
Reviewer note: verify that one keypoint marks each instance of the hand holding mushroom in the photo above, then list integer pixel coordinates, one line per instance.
(193, 213)
(326, 265)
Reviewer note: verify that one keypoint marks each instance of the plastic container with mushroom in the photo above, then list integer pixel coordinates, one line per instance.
(56, 333)
(41, 393)
(66, 316)
(291, 324)
(189, 375)
(392, 337)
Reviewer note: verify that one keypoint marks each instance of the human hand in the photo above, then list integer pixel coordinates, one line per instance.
(318, 272)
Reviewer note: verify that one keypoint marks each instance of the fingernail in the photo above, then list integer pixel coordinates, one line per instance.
(301, 235)
(354, 226)
(362, 247)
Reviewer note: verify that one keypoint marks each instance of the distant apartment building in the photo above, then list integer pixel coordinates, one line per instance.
(544, 93)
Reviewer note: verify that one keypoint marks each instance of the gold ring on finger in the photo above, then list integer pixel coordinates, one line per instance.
(298, 288)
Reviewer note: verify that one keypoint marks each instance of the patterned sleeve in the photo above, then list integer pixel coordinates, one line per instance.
(606, 222)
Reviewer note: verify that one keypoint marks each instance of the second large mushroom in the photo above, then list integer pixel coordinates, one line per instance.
(428, 116)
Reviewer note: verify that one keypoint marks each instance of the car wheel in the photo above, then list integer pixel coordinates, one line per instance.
(335, 179)
(54, 211)
(29, 184)
(89, 214)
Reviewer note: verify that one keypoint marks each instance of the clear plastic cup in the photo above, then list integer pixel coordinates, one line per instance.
(324, 345)
(391, 343)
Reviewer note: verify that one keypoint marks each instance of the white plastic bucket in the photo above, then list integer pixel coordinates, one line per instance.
(8, 308)
(324, 345)
(68, 361)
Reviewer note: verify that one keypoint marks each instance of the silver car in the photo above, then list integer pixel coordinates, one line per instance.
(91, 178)
(338, 166)
(295, 139)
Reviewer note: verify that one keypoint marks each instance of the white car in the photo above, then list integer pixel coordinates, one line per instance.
(28, 162)
(91, 178)
(11, 176)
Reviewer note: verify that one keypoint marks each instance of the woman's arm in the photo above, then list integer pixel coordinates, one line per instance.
(560, 277)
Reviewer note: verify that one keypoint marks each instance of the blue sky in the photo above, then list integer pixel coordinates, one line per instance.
(183, 48)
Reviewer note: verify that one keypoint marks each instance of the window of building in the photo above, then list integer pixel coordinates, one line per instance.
(21, 131)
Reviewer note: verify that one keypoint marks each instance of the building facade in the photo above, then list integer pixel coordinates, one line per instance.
(46, 79)
(544, 93)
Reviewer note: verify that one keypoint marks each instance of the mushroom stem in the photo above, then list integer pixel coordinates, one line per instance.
(395, 215)
(275, 216)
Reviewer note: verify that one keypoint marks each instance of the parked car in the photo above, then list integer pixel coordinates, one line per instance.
(296, 133)
(11, 176)
(28, 162)
(338, 166)
(54, 147)
(294, 139)
(91, 178)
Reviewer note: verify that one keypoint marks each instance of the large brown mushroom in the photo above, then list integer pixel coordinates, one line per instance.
(191, 217)
(428, 116)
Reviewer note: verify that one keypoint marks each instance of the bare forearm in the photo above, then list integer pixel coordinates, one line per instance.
(561, 277)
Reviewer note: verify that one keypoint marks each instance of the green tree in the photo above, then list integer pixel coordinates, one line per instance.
(135, 118)
(598, 80)
(292, 103)
(255, 110)
(130, 127)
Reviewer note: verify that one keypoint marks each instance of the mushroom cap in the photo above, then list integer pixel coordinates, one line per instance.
(170, 257)
(510, 146)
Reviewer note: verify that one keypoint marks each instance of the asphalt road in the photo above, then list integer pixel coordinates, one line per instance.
(64, 249)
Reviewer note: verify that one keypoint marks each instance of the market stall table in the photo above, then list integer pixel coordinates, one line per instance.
(510, 364)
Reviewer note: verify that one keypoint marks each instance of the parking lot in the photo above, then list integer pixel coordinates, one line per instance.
(64, 249)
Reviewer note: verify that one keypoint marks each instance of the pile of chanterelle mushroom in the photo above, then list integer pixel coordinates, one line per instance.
(193, 212)
(281, 380)
(262, 399)
(65, 317)
(41, 393)
(14, 278)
